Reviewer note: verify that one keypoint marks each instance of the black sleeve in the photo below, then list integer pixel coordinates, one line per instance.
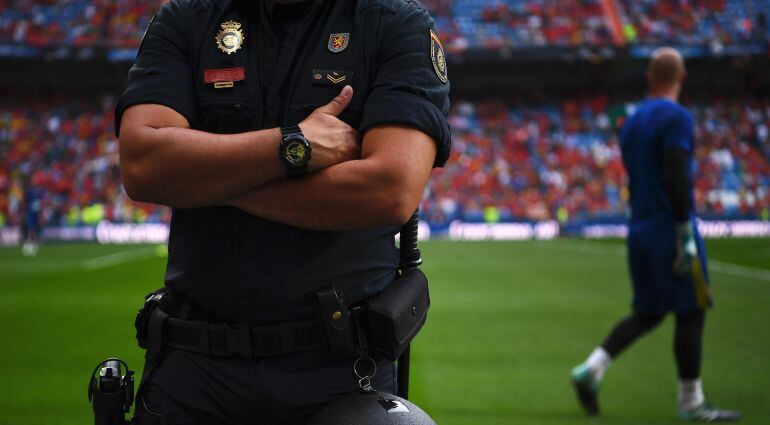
(162, 73)
(411, 86)
(677, 182)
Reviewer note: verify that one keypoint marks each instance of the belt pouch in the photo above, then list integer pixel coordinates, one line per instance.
(337, 325)
(145, 336)
(397, 314)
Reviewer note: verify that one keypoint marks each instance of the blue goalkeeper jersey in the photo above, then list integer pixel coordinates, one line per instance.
(33, 204)
(657, 125)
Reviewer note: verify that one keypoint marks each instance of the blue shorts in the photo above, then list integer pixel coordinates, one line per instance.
(657, 289)
(33, 223)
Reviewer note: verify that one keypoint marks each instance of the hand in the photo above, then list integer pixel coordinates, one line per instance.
(686, 249)
(332, 140)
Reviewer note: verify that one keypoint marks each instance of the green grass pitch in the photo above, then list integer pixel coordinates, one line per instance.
(507, 323)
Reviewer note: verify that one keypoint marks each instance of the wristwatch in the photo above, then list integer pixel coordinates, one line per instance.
(295, 151)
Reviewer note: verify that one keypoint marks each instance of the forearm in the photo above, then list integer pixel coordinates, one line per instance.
(354, 195)
(185, 168)
(677, 183)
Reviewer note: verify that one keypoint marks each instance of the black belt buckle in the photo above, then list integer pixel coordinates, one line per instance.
(238, 340)
(337, 325)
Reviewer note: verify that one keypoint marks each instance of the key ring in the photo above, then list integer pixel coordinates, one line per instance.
(365, 381)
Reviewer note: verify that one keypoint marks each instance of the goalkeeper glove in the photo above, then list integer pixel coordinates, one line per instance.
(686, 250)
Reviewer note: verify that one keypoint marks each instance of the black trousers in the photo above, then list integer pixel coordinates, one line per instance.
(193, 389)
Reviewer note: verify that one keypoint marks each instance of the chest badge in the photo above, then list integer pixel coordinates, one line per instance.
(438, 57)
(230, 38)
(339, 42)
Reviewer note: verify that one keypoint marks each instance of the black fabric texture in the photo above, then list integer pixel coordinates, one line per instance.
(286, 16)
(688, 344)
(406, 81)
(236, 266)
(628, 331)
(677, 183)
(397, 315)
(193, 389)
(161, 73)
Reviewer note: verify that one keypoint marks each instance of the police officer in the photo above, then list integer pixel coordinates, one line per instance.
(291, 139)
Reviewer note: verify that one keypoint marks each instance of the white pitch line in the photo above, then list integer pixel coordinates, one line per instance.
(713, 265)
(738, 270)
(118, 258)
(595, 248)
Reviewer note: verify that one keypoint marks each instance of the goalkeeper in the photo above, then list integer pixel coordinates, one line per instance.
(666, 255)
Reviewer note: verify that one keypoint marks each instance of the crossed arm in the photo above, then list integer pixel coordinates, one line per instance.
(383, 188)
(164, 161)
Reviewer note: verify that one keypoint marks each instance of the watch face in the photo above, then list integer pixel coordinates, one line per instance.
(296, 151)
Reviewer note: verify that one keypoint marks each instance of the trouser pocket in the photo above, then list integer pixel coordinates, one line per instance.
(149, 407)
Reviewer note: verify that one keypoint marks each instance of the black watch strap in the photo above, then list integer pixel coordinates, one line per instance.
(291, 131)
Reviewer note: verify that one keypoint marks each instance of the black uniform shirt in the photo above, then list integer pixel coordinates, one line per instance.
(236, 265)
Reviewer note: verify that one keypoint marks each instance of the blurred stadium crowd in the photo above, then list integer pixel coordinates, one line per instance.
(66, 147)
(510, 161)
(115, 23)
(463, 23)
(561, 160)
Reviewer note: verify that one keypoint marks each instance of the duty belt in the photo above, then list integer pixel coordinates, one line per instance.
(222, 339)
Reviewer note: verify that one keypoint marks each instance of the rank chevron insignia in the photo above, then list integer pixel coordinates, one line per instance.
(330, 77)
(336, 78)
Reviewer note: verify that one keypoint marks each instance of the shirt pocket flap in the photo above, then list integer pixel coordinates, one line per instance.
(229, 114)
(303, 105)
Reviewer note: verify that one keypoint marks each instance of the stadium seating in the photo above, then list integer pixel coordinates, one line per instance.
(561, 161)
(77, 23)
(695, 22)
(464, 24)
(517, 23)
(68, 147)
(510, 161)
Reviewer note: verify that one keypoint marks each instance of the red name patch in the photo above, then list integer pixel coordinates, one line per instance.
(224, 75)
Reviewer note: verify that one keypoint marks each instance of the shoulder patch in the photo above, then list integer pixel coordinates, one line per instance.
(438, 57)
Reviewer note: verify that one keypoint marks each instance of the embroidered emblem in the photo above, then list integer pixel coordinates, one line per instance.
(339, 42)
(230, 38)
(438, 57)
